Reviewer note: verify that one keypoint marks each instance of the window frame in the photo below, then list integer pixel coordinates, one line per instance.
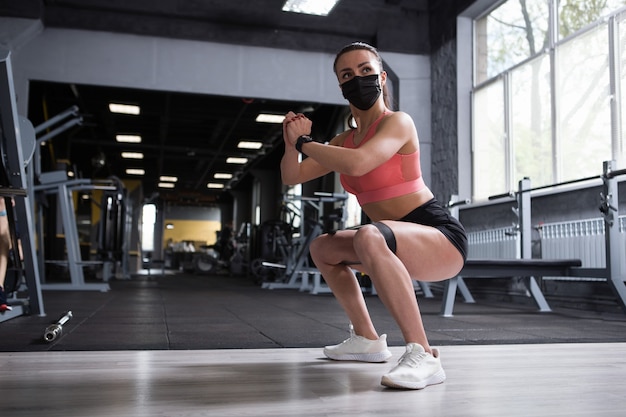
(613, 22)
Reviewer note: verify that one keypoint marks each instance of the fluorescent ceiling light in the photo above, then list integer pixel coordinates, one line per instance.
(234, 160)
(168, 179)
(128, 138)
(166, 185)
(246, 144)
(315, 7)
(215, 185)
(132, 155)
(135, 171)
(222, 176)
(270, 118)
(124, 108)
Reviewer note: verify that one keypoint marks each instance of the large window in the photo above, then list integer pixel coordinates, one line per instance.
(489, 153)
(531, 122)
(618, 145)
(576, 14)
(583, 98)
(547, 101)
(512, 33)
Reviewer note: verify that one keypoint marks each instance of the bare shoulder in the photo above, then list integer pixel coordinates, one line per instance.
(340, 138)
(399, 124)
(398, 117)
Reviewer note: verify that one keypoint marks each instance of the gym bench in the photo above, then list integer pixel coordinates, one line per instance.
(526, 266)
(487, 268)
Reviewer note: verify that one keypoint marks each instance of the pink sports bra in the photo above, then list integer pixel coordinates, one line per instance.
(398, 176)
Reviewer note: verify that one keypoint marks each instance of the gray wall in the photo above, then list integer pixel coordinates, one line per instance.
(120, 60)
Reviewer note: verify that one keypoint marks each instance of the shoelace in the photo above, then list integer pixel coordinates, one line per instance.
(412, 359)
(352, 335)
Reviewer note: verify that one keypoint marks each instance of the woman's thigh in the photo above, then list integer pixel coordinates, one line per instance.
(425, 252)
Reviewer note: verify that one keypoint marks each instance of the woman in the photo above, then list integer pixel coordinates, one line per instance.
(411, 237)
(5, 246)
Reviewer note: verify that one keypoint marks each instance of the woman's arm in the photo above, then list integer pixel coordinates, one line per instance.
(292, 170)
(295, 172)
(396, 133)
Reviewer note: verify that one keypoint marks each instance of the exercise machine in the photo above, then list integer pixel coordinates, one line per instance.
(16, 136)
(55, 194)
(295, 261)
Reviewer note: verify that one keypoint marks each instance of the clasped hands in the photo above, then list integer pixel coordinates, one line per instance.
(294, 126)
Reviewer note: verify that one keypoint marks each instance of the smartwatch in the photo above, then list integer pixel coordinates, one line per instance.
(301, 141)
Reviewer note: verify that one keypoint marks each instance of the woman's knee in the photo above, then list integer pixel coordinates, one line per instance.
(318, 249)
(369, 241)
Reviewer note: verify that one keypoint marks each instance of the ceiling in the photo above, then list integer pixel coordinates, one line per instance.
(187, 135)
(183, 135)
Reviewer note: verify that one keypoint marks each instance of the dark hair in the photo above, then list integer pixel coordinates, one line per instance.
(355, 46)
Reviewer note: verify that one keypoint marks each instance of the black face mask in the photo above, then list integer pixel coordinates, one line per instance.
(362, 92)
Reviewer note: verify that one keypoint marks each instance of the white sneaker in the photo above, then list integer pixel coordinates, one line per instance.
(416, 369)
(358, 348)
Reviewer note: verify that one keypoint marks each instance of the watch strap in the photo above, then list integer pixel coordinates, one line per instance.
(301, 141)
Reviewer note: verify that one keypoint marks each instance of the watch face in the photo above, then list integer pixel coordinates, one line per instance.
(302, 140)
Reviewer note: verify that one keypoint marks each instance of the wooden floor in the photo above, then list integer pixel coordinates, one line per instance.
(488, 380)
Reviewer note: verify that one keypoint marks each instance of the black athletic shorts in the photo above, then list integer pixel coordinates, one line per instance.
(433, 214)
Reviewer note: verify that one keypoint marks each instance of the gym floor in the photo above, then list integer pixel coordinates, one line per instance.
(186, 311)
(196, 346)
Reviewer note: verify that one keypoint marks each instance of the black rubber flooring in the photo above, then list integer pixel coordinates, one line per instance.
(184, 311)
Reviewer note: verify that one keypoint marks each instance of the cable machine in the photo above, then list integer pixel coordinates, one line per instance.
(15, 133)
